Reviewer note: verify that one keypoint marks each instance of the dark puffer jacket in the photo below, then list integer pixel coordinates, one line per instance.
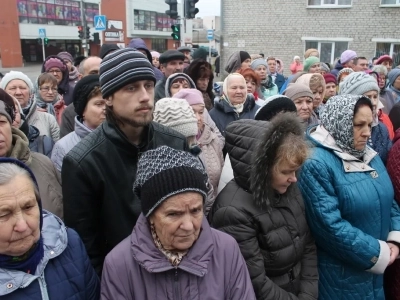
(275, 240)
(223, 114)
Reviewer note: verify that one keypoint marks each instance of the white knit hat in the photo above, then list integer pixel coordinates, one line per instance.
(358, 83)
(16, 75)
(176, 114)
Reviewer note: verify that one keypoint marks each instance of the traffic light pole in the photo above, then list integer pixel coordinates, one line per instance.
(84, 41)
(43, 50)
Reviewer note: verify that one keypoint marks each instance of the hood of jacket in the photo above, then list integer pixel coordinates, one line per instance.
(225, 107)
(138, 43)
(81, 129)
(145, 252)
(55, 241)
(33, 133)
(63, 86)
(20, 147)
(338, 65)
(171, 79)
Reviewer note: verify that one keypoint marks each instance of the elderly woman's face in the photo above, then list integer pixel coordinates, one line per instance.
(178, 85)
(362, 123)
(237, 90)
(177, 220)
(20, 90)
(261, 71)
(19, 216)
(5, 136)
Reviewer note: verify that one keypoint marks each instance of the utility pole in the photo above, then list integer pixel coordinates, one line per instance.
(83, 21)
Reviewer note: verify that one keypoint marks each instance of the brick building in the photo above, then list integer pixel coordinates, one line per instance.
(285, 28)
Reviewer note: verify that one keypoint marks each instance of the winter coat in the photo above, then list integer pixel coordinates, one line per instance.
(159, 90)
(39, 143)
(46, 123)
(223, 113)
(351, 212)
(380, 141)
(212, 269)
(337, 68)
(277, 245)
(294, 67)
(388, 99)
(279, 82)
(46, 175)
(98, 175)
(63, 146)
(63, 273)
(68, 120)
(384, 118)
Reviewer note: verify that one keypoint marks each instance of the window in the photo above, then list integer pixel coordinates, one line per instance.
(159, 45)
(328, 50)
(151, 20)
(330, 3)
(390, 2)
(392, 49)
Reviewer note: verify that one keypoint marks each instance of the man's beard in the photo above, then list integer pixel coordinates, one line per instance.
(137, 122)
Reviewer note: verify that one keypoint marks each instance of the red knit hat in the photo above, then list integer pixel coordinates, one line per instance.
(54, 63)
(330, 78)
(382, 58)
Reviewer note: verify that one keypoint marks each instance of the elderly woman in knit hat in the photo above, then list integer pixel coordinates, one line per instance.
(56, 66)
(90, 109)
(208, 139)
(387, 97)
(312, 65)
(40, 258)
(234, 104)
(394, 83)
(267, 88)
(316, 83)
(18, 85)
(156, 58)
(302, 97)
(330, 85)
(385, 60)
(296, 65)
(73, 71)
(324, 69)
(311, 52)
(176, 82)
(172, 251)
(360, 83)
(238, 60)
(349, 202)
(343, 73)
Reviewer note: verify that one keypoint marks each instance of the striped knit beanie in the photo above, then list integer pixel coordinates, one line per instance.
(122, 67)
(165, 172)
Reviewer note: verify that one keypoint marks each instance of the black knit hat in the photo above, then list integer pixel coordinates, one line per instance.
(82, 91)
(171, 55)
(275, 105)
(122, 67)
(244, 55)
(107, 48)
(165, 172)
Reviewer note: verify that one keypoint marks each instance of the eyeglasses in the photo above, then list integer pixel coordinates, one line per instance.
(54, 71)
(47, 89)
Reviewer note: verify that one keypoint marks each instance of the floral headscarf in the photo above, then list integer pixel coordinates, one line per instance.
(337, 119)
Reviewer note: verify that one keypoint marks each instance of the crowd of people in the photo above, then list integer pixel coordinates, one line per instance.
(136, 175)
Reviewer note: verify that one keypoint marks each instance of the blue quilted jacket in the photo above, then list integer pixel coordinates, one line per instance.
(65, 272)
(351, 212)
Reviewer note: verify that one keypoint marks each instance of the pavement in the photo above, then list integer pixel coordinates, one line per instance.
(32, 70)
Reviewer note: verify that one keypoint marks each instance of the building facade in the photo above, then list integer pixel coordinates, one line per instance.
(285, 28)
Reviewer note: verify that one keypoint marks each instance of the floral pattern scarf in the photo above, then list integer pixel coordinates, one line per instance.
(174, 257)
(337, 118)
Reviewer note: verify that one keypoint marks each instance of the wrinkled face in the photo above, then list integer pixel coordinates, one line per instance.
(17, 114)
(91, 66)
(57, 73)
(272, 66)
(179, 84)
(95, 112)
(315, 68)
(362, 124)
(374, 97)
(133, 104)
(237, 90)
(19, 216)
(156, 62)
(5, 136)
(173, 66)
(48, 92)
(69, 64)
(318, 96)
(362, 65)
(251, 85)
(396, 83)
(178, 219)
(20, 90)
(283, 176)
(246, 64)
(304, 106)
(199, 112)
(202, 84)
(388, 64)
(261, 71)
(330, 90)
(381, 80)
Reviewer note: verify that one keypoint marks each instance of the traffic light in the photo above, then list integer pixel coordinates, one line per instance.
(39, 41)
(87, 32)
(190, 9)
(80, 31)
(173, 9)
(176, 32)
(46, 41)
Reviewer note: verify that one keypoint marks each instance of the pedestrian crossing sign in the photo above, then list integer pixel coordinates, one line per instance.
(42, 33)
(100, 22)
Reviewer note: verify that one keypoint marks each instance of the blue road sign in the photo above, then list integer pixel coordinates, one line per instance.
(210, 34)
(100, 22)
(42, 33)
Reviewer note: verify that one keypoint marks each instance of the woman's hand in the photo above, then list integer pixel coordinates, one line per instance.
(394, 252)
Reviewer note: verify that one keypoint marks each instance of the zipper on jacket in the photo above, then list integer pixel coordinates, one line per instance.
(176, 286)
(43, 288)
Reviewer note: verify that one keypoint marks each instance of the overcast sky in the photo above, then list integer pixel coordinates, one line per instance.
(208, 8)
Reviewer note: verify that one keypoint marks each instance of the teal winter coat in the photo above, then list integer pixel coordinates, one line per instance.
(351, 211)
